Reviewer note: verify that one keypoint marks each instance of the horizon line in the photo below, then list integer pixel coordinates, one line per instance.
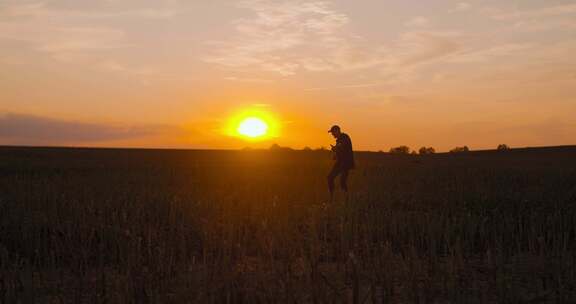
(246, 149)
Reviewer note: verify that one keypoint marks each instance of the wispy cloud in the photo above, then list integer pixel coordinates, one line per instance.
(66, 44)
(36, 130)
(9, 60)
(57, 30)
(51, 32)
(402, 61)
(425, 46)
(279, 39)
(417, 22)
(75, 36)
(461, 7)
(144, 75)
(549, 11)
(487, 54)
(538, 25)
(306, 36)
(349, 86)
(248, 79)
(42, 10)
(559, 17)
(304, 29)
(57, 39)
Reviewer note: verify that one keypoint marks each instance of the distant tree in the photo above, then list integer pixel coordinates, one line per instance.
(414, 153)
(503, 147)
(400, 150)
(277, 147)
(307, 149)
(460, 149)
(321, 149)
(426, 150)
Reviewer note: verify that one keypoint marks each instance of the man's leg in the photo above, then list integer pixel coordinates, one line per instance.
(344, 180)
(330, 178)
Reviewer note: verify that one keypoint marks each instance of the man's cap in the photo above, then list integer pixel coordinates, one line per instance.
(334, 129)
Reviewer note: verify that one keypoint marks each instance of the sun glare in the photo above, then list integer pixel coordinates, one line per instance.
(252, 127)
(253, 124)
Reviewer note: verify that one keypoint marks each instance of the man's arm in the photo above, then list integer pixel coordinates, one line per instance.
(339, 147)
(346, 143)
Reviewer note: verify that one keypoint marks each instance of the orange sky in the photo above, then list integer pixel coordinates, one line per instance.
(170, 73)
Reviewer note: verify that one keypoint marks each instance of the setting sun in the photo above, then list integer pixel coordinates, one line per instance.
(253, 123)
(253, 127)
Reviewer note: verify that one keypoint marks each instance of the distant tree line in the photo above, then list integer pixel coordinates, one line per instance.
(462, 149)
(277, 147)
(426, 151)
(400, 150)
(405, 150)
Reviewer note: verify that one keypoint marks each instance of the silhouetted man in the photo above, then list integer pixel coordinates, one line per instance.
(344, 160)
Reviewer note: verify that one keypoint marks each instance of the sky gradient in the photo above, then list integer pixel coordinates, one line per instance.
(172, 73)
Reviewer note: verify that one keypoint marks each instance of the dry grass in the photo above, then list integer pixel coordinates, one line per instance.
(115, 226)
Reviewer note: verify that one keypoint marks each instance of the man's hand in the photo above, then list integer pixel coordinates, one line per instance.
(334, 155)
